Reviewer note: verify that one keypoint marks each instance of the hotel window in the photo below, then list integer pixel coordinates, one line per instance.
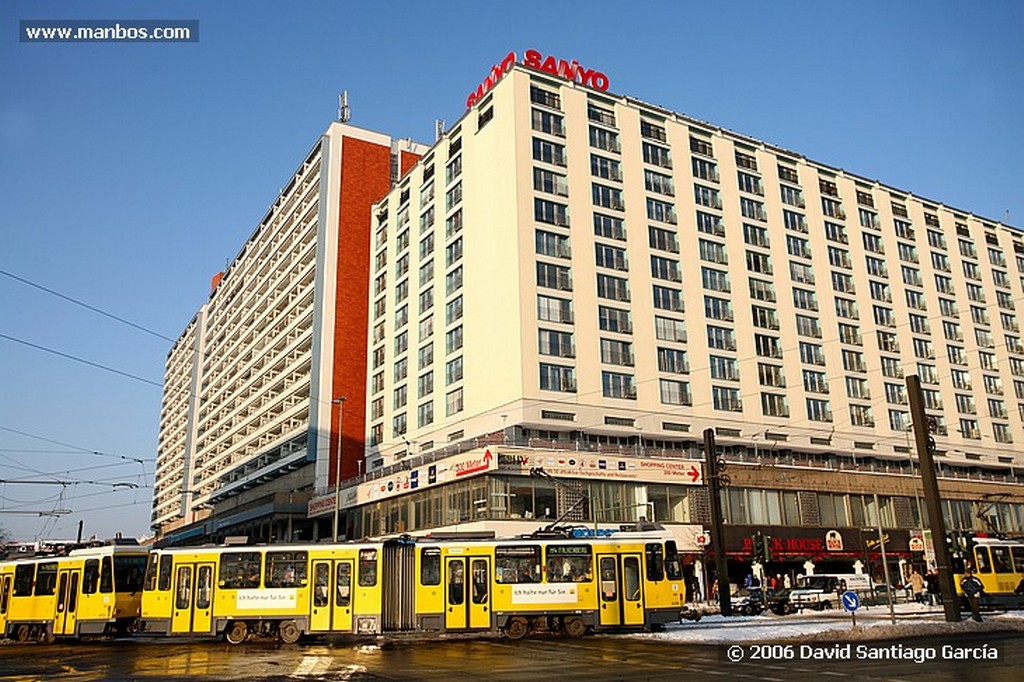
(674, 392)
(715, 280)
(668, 329)
(720, 338)
(766, 346)
(751, 184)
(453, 340)
(850, 334)
(600, 114)
(842, 283)
(453, 310)
(704, 169)
(747, 161)
(774, 405)
(828, 187)
(710, 224)
(661, 211)
(904, 230)
(378, 356)
(868, 219)
(876, 266)
(453, 252)
(956, 355)
(1009, 322)
(673, 361)
(765, 318)
(987, 361)
(873, 243)
(979, 315)
(603, 167)
(453, 197)
(1003, 300)
(453, 281)
(611, 257)
(726, 399)
(755, 235)
(798, 247)
(401, 291)
(614, 320)
(453, 223)
(612, 288)
(857, 388)
(658, 183)
(378, 382)
(605, 140)
(426, 356)
(760, 263)
(550, 212)
(401, 316)
(668, 299)
(788, 174)
(865, 199)
(550, 182)
(398, 424)
(932, 399)
(707, 196)
(607, 197)
(615, 352)
(1001, 433)
(965, 404)
(887, 342)
(992, 384)
(771, 375)
(401, 369)
(656, 155)
(426, 328)
(947, 307)
(1000, 279)
(941, 262)
(711, 251)
(453, 402)
(551, 342)
(819, 410)
(548, 152)
(665, 269)
(663, 240)
(557, 378)
(718, 309)
(702, 147)
(836, 232)
(951, 331)
(899, 420)
(808, 326)
(453, 371)
(792, 196)
(853, 361)
(975, 293)
(723, 368)
(427, 245)
(547, 122)
(880, 291)
(608, 226)
(794, 221)
(652, 131)
(907, 252)
(996, 257)
(815, 382)
(805, 299)
(961, 379)
(832, 209)
(761, 290)
(401, 343)
(551, 309)
(891, 367)
(615, 385)
(751, 209)
(967, 248)
(545, 97)
(553, 276)
(972, 271)
(811, 353)
(425, 384)
(453, 169)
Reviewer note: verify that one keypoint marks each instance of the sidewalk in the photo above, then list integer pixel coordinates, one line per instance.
(912, 620)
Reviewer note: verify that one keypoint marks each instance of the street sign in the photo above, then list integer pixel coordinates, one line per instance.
(702, 540)
(851, 602)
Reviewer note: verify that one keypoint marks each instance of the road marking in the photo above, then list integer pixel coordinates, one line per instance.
(312, 666)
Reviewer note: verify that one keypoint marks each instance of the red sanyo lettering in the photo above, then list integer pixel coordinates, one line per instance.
(571, 70)
(497, 71)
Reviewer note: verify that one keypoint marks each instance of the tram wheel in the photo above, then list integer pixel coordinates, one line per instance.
(575, 627)
(21, 633)
(288, 631)
(516, 628)
(236, 632)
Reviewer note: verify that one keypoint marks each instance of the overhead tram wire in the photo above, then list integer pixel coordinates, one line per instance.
(68, 356)
(94, 309)
(76, 448)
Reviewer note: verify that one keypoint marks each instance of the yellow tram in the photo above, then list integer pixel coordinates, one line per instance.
(553, 582)
(998, 563)
(89, 591)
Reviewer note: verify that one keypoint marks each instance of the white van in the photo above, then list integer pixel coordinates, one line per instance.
(822, 591)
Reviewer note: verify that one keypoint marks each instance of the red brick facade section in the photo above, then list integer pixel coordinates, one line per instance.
(408, 160)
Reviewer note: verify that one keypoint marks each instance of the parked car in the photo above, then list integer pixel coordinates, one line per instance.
(751, 602)
(779, 604)
(821, 592)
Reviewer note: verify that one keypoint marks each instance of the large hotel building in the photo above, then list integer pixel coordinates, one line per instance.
(584, 283)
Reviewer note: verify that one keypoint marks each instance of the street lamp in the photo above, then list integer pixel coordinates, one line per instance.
(340, 402)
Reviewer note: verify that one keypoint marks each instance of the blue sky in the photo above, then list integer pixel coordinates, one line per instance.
(132, 173)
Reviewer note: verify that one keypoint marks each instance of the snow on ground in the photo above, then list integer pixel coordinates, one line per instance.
(912, 620)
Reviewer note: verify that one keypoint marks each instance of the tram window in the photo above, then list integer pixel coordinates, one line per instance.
(367, 567)
(517, 564)
(655, 561)
(343, 596)
(673, 567)
(1018, 559)
(286, 569)
(569, 563)
(631, 578)
(430, 566)
(46, 579)
(609, 583)
(183, 600)
(204, 587)
(322, 584)
(164, 581)
(73, 594)
(981, 560)
(128, 571)
(150, 572)
(958, 565)
(456, 582)
(106, 576)
(23, 576)
(1001, 560)
(5, 582)
(91, 576)
(481, 581)
(240, 570)
(62, 593)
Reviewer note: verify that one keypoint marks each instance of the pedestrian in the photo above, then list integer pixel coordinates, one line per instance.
(785, 582)
(972, 589)
(916, 585)
(748, 582)
(932, 580)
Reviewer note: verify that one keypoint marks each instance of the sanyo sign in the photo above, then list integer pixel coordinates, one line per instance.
(571, 70)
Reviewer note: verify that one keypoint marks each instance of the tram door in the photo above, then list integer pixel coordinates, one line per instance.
(193, 598)
(332, 596)
(67, 601)
(622, 589)
(467, 593)
(5, 601)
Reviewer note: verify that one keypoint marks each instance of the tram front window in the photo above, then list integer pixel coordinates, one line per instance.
(129, 573)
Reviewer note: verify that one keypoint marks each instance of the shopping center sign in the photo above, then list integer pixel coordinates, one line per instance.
(570, 70)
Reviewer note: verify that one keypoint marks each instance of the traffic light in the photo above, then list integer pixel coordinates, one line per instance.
(766, 547)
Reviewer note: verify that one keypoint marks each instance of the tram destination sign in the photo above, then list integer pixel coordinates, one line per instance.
(592, 465)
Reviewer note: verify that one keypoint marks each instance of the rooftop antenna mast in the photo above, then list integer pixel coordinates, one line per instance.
(438, 129)
(344, 113)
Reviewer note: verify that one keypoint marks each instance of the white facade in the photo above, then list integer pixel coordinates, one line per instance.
(569, 264)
